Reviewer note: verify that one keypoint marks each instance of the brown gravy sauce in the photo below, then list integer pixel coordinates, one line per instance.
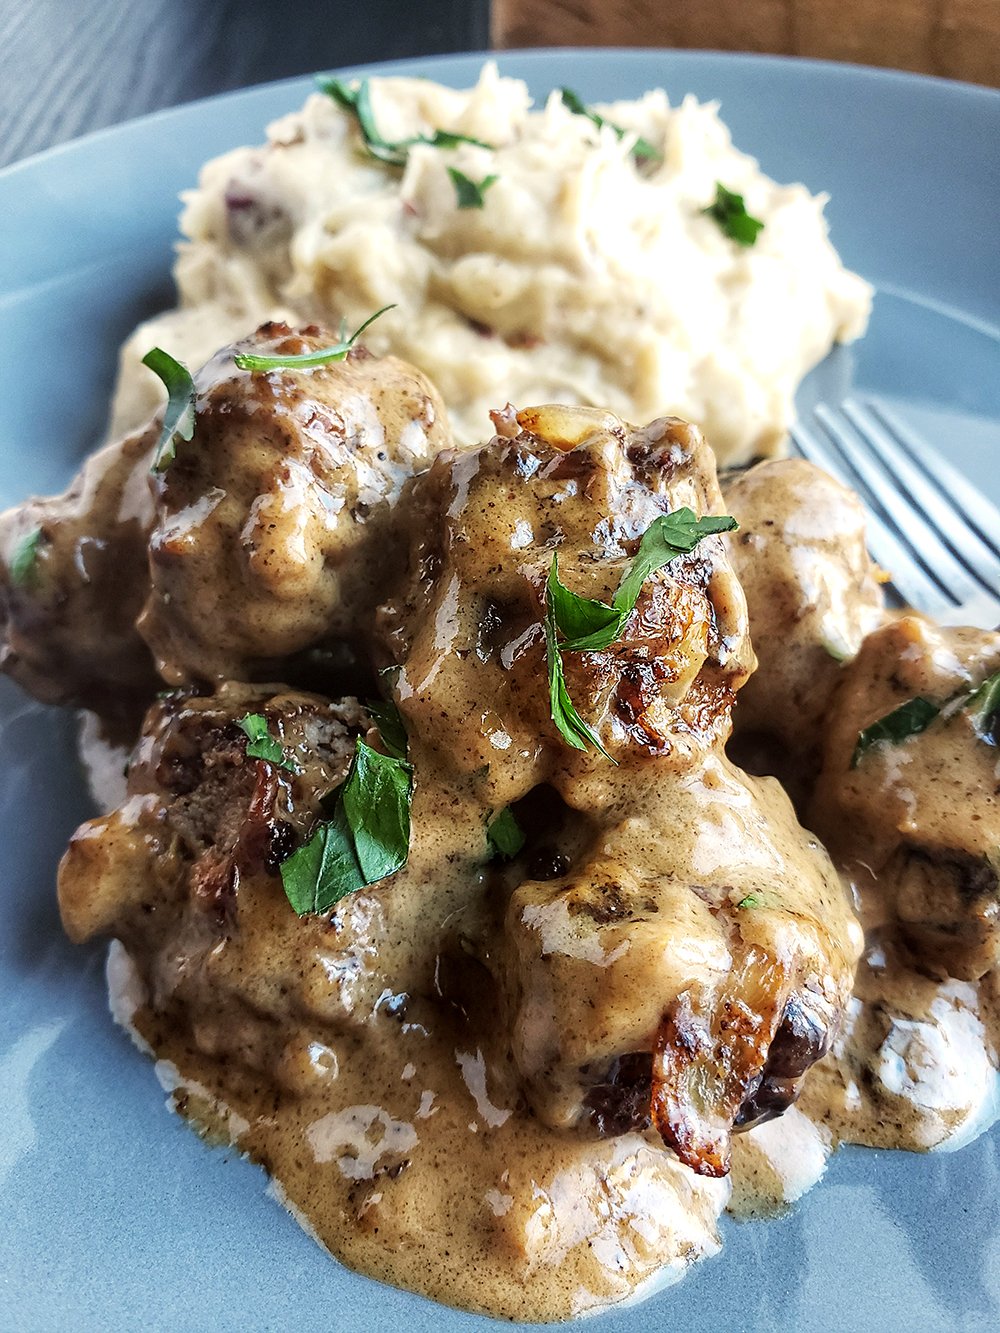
(446, 1187)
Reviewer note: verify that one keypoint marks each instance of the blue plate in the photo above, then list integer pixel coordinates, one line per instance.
(113, 1214)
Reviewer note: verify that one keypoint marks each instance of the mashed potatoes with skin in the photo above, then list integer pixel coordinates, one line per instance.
(585, 277)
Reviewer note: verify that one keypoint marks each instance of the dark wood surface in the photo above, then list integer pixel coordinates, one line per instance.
(69, 66)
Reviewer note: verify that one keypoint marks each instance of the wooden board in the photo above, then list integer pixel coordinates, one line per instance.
(959, 39)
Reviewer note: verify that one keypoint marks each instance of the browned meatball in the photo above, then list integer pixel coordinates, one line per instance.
(186, 873)
(813, 594)
(917, 822)
(272, 529)
(468, 631)
(72, 581)
(687, 925)
(690, 965)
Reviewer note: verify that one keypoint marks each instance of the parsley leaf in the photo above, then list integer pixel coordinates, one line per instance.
(588, 626)
(750, 901)
(585, 625)
(729, 211)
(984, 707)
(357, 100)
(667, 536)
(23, 561)
(504, 834)
(642, 149)
(376, 801)
(303, 360)
(178, 415)
(569, 723)
(262, 745)
(390, 726)
(909, 719)
(365, 838)
(469, 193)
(324, 869)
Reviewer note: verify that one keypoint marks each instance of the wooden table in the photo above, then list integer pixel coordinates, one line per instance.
(956, 38)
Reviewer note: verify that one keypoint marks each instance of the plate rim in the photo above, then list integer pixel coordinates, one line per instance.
(932, 84)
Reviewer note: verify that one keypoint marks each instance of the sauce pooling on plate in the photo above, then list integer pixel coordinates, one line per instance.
(440, 885)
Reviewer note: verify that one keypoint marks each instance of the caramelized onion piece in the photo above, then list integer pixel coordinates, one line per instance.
(706, 1062)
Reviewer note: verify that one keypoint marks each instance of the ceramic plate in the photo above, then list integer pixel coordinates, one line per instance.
(113, 1215)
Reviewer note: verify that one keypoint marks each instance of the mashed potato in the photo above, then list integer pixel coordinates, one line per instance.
(586, 276)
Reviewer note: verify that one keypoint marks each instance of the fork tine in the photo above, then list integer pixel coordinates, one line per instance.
(979, 513)
(915, 531)
(908, 578)
(934, 495)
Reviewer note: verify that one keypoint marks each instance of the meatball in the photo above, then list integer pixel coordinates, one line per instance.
(271, 530)
(72, 581)
(689, 966)
(468, 631)
(186, 873)
(676, 948)
(917, 821)
(813, 595)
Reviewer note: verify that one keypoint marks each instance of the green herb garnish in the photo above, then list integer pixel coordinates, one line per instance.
(470, 193)
(262, 745)
(23, 561)
(504, 834)
(390, 726)
(642, 149)
(750, 901)
(909, 719)
(364, 839)
(357, 100)
(303, 360)
(729, 211)
(569, 723)
(178, 415)
(579, 624)
(983, 705)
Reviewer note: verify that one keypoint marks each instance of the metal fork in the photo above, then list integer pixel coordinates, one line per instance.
(935, 534)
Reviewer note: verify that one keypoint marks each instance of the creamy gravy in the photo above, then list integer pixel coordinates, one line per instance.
(498, 1084)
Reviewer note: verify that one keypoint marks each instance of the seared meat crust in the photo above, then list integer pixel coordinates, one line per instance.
(67, 624)
(635, 989)
(812, 593)
(468, 631)
(917, 824)
(271, 530)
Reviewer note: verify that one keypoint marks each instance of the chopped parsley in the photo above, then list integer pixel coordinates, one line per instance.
(983, 705)
(470, 193)
(365, 837)
(23, 562)
(729, 211)
(642, 149)
(390, 726)
(504, 834)
(909, 719)
(916, 715)
(262, 745)
(303, 360)
(581, 625)
(178, 415)
(750, 901)
(357, 100)
(569, 723)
